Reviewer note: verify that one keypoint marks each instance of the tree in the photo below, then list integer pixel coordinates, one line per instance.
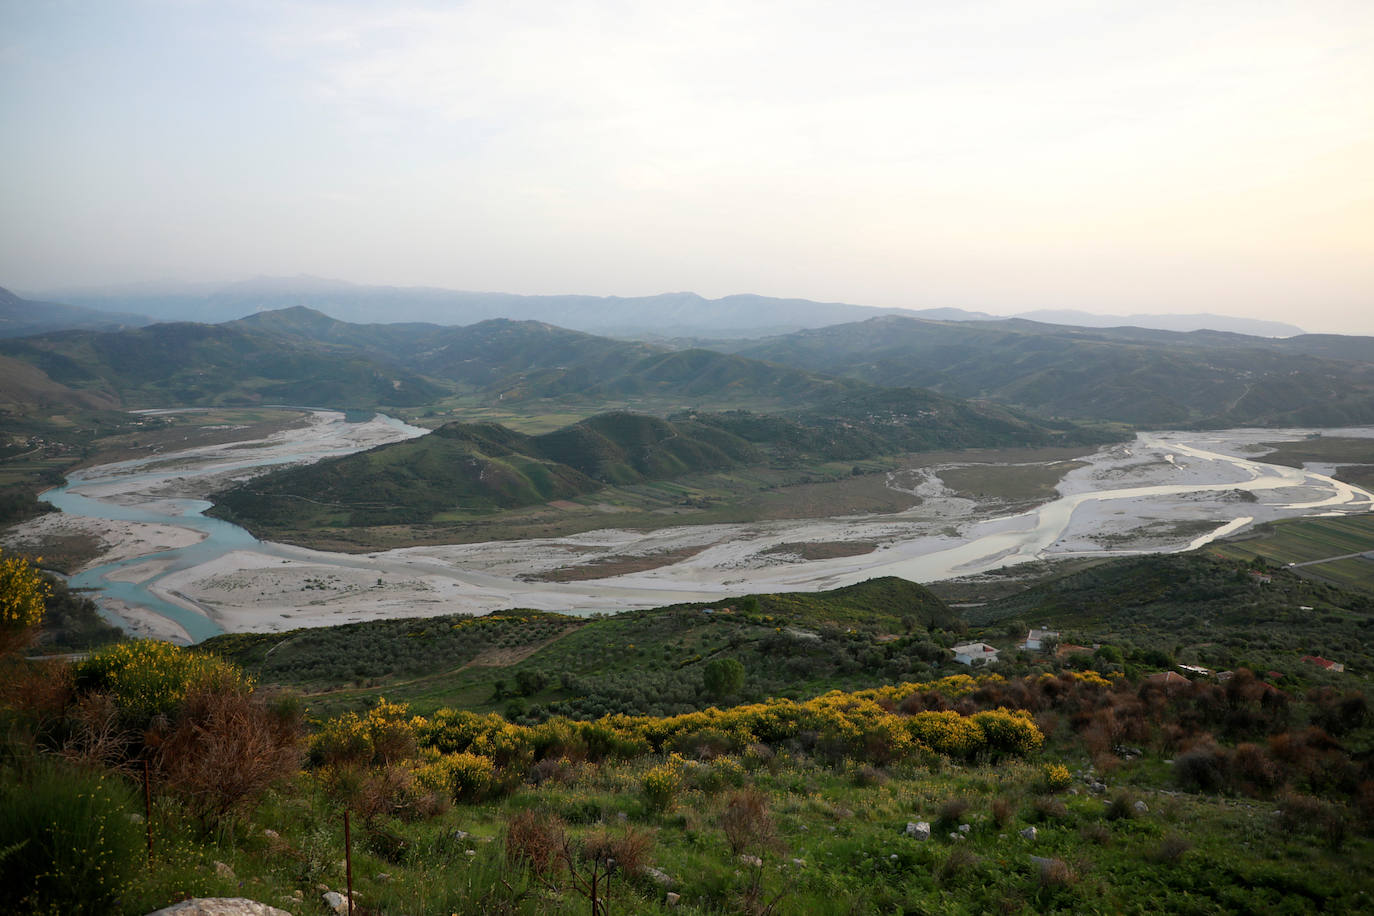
(723, 677)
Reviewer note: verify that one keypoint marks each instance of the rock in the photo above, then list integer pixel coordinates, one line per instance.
(1029, 833)
(965, 828)
(224, 871)
(271, 834)
(336, 901)
(459, 835)
(658, 877)
(220, 906)
(918, 829)
(382, 876)
(800, 863)
(955, 836)
(671, 899)
(1141, 808)
(754, 861)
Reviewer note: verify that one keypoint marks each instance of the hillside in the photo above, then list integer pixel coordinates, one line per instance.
(21, 317)
(1201, 609)
(515, 361)
(482, 468)
(1147, 378)
(787, 754)
(167, 365)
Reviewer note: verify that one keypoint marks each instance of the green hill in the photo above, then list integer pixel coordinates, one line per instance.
(185, 364)
(465, 467)
(1143, 377)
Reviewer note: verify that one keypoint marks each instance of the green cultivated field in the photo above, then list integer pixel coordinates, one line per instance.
(1308, 539)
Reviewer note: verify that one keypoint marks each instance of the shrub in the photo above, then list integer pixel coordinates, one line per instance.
(535, 839)
(1055, 777)
(1171, 850)
(747, 822)
(23, 593)
(1049, 808)
(71, 845)
(1121, 808)
(465, 777)
(1305, 814)
(1202, 768)
(150, 679)
(951, 813)
(661, 784)
(1003, 811)
(225, 749)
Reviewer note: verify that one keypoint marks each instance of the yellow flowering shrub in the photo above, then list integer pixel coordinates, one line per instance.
(148, 678)
(22, 594)
(465, 777)
(1007, 731)
(385, 734)
(1056, 777)
(662, 783)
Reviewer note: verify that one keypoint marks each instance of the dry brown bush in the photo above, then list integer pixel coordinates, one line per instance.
(225, 749)
(536, 839)
(951, 812)
(93, 735)
(747, 822)
(1049, 808)
(1003, 811)
(34, 696)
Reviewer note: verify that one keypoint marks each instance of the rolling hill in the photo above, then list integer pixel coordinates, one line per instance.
(183, 364)
(21, 317)
(487, 467)
(1144, 377)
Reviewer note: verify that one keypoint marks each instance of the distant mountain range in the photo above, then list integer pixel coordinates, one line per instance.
(667, 315)
(20, 317)
(1144, 377)
(1148, 378)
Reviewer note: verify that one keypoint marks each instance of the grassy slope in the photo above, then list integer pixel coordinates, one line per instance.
(644, 660)
(836, 845)
(1202, 609)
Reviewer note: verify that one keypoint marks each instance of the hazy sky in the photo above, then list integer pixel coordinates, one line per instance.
(999, 155)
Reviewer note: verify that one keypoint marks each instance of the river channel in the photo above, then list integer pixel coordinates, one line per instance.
(217, 577)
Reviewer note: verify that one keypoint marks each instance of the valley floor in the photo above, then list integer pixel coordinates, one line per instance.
(1162, 492)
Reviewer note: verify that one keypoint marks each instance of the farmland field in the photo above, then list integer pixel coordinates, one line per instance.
(1310, 539)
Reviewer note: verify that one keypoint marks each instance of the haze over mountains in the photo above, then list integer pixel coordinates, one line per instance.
(1151, 378)
(682, 314)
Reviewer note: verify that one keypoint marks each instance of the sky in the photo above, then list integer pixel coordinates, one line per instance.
(993, 155)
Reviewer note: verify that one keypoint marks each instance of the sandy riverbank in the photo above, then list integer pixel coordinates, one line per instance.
(115, 540)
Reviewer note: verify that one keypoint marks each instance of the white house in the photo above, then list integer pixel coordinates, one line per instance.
(1036, 639)
(975, 653)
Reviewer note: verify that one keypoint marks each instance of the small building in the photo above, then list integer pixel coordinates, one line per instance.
(975, 653)
(1168, 680)
(1195, 670)
(1036, 639)
(1326, 663)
